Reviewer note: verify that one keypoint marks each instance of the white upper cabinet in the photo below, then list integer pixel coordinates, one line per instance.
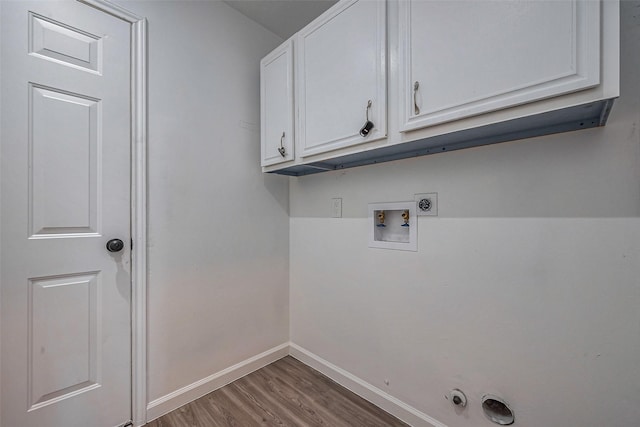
(460, 73)
(276, 105)
(463, 58)
(341, 64)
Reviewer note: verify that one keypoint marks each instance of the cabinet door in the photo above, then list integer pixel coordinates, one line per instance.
(276, 105)
(341, 67)
(463, 58)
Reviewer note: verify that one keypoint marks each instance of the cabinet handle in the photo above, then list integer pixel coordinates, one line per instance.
(281, 149)
(368, 125)
(416, 109)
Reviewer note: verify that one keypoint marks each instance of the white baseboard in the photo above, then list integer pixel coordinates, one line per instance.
(191, 392)
(381, 399)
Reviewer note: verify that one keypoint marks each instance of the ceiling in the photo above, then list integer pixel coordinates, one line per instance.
(282, 17)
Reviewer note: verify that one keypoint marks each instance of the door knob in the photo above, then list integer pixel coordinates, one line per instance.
(115, 245)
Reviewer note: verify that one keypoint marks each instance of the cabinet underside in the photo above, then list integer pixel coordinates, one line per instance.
(584, 116)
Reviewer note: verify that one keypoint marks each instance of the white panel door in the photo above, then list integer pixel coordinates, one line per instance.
(276, 105)
(341, 67)
(463, 58)
(66, 329)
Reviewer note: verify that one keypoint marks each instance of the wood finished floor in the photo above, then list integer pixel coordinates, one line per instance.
(284, 393)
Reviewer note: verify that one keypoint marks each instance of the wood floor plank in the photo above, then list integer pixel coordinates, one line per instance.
(267, 396)
(336, 398)
(289, 399)
(286, 393)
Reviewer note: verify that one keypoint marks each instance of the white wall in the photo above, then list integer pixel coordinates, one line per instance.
(218, 228)
(526, 286)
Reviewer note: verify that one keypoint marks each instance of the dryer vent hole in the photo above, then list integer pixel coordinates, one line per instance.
(497, 410)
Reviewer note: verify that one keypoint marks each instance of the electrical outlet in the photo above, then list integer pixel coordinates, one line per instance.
(336, 208)
(426, 204)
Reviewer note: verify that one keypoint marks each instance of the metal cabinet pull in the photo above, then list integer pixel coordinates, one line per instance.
(416, 109)
(368, 125)
(281, 149)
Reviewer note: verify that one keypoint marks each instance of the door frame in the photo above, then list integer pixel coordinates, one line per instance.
(138, 137)
(138, 204)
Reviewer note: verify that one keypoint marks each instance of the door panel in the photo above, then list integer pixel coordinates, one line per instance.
(65, 191)
(64, 156)
(62, 365)
(58, 42)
